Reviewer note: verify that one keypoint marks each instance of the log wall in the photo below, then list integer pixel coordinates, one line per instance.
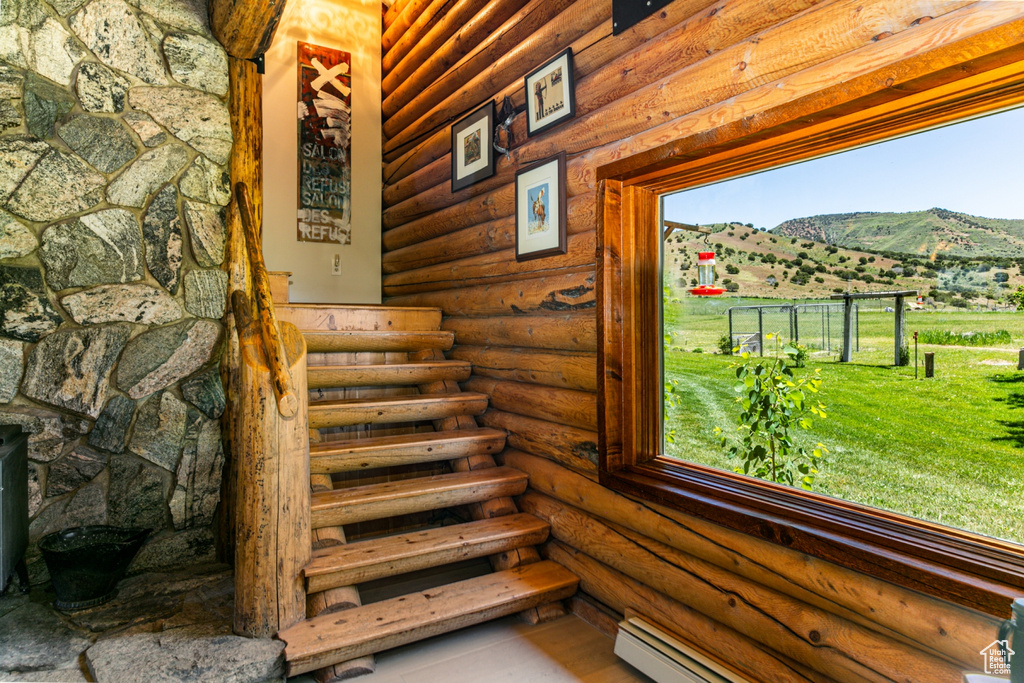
(531, 331)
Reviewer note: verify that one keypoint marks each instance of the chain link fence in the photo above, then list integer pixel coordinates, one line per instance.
(816, 326)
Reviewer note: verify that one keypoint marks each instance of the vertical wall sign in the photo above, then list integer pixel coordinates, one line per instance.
(325, 145)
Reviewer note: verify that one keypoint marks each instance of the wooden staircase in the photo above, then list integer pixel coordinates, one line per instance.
(393, 440)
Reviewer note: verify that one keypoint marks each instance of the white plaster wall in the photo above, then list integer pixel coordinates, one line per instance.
(353, 26)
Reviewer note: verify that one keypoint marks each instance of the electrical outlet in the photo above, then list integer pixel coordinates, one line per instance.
(336, 265)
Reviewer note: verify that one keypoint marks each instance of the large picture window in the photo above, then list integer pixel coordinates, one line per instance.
(965, 557)
(937, 216)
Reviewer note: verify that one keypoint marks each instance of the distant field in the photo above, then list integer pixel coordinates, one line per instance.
(948, 449)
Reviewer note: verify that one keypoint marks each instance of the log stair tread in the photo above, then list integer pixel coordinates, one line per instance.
(363, 561)
(391, 498)
(359, 631)
(390, 409)
(354, 341)
(390, 374)
(404, 449)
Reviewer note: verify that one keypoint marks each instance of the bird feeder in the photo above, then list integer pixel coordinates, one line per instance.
(706, 275)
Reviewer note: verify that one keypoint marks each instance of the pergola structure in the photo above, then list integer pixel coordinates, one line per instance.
(898, 335)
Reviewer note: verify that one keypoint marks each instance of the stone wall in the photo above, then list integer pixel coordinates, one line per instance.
(114, 142)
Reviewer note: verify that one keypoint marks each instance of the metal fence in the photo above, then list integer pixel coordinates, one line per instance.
(817, 326)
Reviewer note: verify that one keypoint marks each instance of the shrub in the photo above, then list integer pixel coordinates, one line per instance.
(819, 279)
(725, 346)
(802, 254)
(946, 338)
(731, 269)
(732, 287)
(774, 403)
(698, 350)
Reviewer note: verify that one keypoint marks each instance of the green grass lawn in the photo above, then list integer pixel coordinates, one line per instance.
(947, 449)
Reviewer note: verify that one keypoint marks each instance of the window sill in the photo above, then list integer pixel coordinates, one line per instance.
(912, 553)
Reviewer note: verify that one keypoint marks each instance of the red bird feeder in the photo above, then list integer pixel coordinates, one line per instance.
(706, 275)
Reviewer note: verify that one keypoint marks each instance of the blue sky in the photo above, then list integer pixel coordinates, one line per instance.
(976, 167)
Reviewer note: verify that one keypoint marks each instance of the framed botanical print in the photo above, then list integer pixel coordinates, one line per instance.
(550, 94)
(541, 209)
(472, 153)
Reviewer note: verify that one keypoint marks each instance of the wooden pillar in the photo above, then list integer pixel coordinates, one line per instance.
(272, 498)
(245, 29)
(929, 364)
(847, 329)
(899, 331)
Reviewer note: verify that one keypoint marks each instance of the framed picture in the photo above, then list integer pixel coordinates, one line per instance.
(540, 209)
(472, 153)
(550, 94)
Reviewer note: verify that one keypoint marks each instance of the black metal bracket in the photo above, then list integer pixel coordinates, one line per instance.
(261, 67)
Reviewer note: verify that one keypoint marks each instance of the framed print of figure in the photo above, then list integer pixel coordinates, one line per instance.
(541, 209)
(472, 152)
(550, 94)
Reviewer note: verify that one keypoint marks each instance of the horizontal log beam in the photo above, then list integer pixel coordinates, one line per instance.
(529, 22)
(550, 294)
(408, 15)
(955, 632)
(585, 61)
(617, 100)
(496, 235)
(568, 446)
(564, 406)
(961, 25)
(622, 593)
(817, 638)
(424, 23)
(493, 268)
(461, 29)
(393, 12)
(572, 332)
(554, 369)
(625, 66)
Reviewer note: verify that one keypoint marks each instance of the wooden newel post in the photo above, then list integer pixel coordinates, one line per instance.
(272, 496)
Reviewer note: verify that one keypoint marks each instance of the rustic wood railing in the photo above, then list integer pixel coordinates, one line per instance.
(268, 441)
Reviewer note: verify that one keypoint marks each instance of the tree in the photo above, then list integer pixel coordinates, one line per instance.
(773, 404)
(1017, 297)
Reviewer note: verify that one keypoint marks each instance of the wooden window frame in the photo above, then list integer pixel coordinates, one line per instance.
(968, 78)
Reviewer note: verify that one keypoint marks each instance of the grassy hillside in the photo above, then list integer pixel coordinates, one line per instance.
(768, 265)
(921, 233)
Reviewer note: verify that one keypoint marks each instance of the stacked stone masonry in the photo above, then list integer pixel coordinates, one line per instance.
(114, 140)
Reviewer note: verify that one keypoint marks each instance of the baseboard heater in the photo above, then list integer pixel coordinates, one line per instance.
(665, 658)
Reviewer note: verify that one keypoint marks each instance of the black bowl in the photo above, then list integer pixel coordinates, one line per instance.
(86, 562)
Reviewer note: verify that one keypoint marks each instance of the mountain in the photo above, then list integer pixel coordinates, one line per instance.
(921, 233)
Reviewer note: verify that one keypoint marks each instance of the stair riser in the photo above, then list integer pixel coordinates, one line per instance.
(356, 342)
(357, 575)
(364, 512)
(353, 376)
(390, 457)
(369, 318)
(346, 416)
